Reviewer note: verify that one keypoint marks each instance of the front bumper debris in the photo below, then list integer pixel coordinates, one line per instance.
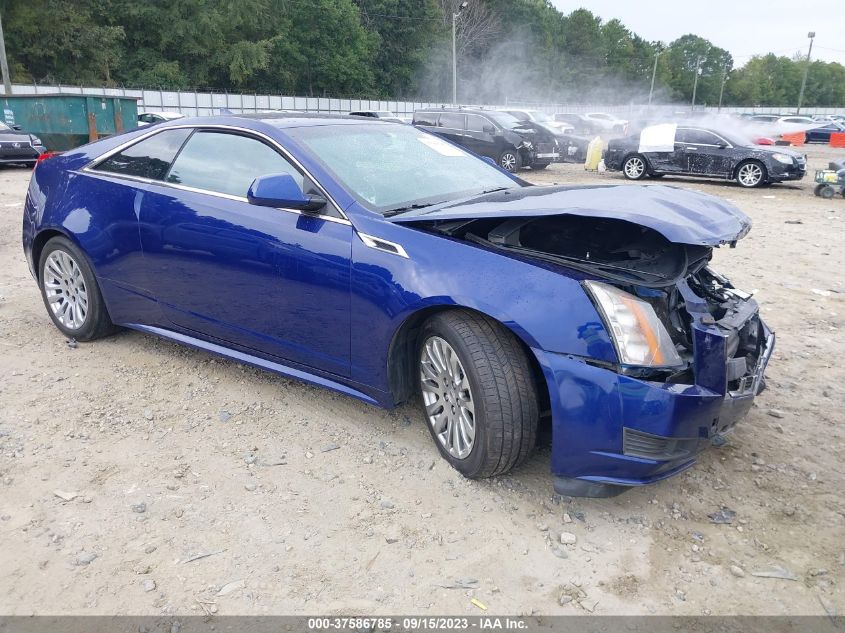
(612, 431)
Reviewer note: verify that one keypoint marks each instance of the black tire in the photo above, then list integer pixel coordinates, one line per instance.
(749, 183)
(539, 166)
(510, 160)
(96, 323)
(503, 392)
(635, 167)
(827, 192)
(817, 190)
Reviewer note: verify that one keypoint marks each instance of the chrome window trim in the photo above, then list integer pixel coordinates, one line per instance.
(373, 242)
(216, 194)
(90, 168)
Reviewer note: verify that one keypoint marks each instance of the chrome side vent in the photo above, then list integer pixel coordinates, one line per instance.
(383, 245)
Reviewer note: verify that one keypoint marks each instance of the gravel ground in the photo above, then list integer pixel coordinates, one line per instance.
(140, 477)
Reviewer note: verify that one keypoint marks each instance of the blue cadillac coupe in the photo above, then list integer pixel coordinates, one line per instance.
(386, 263)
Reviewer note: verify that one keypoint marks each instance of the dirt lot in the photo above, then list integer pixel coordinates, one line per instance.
(124, 461)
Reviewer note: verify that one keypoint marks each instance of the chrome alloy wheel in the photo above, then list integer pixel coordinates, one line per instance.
(65, 289)
(750, 174)
(447, 397)
(634, 167)
(508, 161)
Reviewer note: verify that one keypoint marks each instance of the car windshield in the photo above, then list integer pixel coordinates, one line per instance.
(505, 120)
(391, 168)
(542, 117)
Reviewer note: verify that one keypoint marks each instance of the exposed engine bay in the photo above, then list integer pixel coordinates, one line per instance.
(673, 277)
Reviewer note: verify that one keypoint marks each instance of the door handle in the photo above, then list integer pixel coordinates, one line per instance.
(691, 149)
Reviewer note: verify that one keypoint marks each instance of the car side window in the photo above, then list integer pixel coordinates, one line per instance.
(227, 163)
(149, 158)
(697, 137)
(476, 123)
(452, 121)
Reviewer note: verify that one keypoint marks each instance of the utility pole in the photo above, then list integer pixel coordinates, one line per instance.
(461, 7)
(722, 88)
(695, 83)
(653, 75)
(4, 65)
(811, 35)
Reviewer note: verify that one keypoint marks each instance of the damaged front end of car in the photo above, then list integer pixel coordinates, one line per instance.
(690, 349)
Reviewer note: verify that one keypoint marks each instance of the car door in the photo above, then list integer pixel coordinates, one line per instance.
(480, 136)
(273, 281)
(451, 125)
(707, 154)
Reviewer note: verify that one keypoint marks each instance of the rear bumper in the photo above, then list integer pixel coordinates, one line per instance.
(612, 431)
(27, 154)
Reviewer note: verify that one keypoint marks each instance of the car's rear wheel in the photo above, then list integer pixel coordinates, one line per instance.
(509, 160)
(70, 291)
(750, 174)
(634, 167)
(478, 391)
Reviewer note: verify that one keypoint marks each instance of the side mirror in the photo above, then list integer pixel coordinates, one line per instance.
(281, 190)
(488, 129)
(17, 127)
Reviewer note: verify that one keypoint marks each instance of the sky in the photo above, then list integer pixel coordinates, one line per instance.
(742, 28)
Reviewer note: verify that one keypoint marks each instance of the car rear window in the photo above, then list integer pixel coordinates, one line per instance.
(150, 158)
(425, 118)
(227, 163)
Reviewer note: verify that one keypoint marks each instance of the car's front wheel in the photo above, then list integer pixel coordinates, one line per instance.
(751, 174)
(479, 394)
(70, 291)
(634, 167)
(509, 160)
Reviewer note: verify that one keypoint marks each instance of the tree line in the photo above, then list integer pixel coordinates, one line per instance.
(508, 50)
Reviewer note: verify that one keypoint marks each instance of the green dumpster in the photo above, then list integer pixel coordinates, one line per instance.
(64, 121)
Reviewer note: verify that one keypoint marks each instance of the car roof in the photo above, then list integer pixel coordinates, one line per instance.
(308, 119)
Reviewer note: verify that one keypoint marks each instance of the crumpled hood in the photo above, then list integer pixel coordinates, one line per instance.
(680, 215)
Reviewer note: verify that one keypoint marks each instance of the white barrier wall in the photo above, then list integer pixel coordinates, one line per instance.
(208, 103)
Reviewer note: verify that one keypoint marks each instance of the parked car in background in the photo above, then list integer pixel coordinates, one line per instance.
(149, 118)
(382, 262)
(706, 153)
(18, 146)
(385, 115)
(535, 116)
(765, 118)
(822, 134)
(571, 147)
(512, 143)
(580, 124)
(607, 122)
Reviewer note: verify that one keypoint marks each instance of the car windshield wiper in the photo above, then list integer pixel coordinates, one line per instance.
(411, 207)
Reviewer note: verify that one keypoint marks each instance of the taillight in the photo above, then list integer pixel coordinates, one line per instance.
(45, 156)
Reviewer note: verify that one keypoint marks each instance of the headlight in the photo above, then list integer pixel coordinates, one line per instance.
(34, 140)
(783, 158)
(638, 335)
(527, 144)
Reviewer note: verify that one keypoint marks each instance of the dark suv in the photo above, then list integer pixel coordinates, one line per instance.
(510, 142)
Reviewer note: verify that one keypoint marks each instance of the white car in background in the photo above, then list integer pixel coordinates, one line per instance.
(604, 122)
(541, 117)
(148, 118)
